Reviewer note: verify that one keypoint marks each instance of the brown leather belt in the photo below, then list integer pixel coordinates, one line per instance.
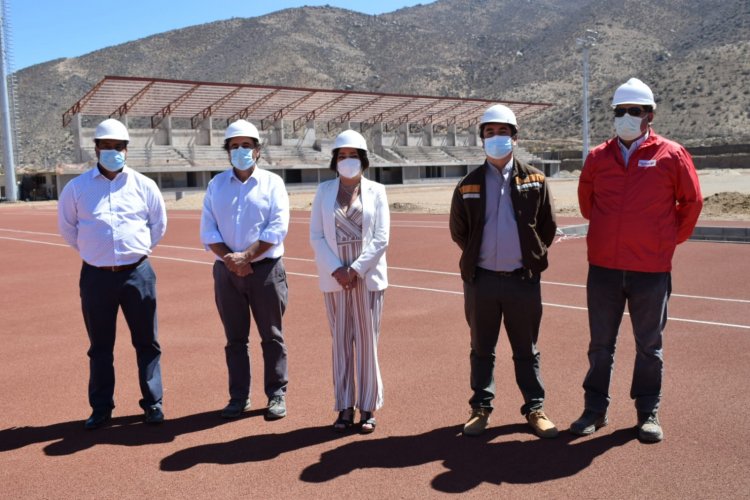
(117, 269)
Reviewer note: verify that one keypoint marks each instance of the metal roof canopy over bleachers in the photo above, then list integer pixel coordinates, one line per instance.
(116, 96)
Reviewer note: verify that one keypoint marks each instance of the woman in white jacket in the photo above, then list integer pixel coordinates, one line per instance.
(349, 228)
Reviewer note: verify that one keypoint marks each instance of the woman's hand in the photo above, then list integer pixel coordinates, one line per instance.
(345, 276)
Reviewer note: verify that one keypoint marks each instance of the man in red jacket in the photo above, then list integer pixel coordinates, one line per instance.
(641, 195)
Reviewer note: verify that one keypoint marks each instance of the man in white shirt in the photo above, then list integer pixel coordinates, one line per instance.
(114, 216)
(244, 222)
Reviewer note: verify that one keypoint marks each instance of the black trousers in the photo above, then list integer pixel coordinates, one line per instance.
(262, 294)
(516, 301)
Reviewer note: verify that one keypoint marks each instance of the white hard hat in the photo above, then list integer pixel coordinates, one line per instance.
(498, 113)
(111, 129)
(350, 139)
(241, 128)
(633, 91)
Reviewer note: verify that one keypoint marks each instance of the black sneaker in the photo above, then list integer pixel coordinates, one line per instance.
(649, 428)
(153, 415)
(588, 423)
(276, 408)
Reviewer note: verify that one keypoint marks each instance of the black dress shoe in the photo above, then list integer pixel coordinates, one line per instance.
(153, 415)
(588, 423)
(235, 408)
(97, 419)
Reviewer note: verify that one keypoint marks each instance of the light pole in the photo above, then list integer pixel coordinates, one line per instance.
(586, 42)
(9, 163)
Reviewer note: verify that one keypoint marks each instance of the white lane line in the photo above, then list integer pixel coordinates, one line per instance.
(424, 289)
(33, 241)
(28, 232)
(741, 301)
(211, 263)
(177, 247)
(683, 296)
(409, 269)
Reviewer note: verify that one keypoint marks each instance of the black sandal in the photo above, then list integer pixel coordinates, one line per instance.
(345, 420)
(367, 422)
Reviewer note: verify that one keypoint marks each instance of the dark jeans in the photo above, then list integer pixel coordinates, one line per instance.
(102, 294)
(517, 301)
(264, 293)
(646, 294)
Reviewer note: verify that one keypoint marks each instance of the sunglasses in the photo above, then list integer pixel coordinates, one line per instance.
(634, 111)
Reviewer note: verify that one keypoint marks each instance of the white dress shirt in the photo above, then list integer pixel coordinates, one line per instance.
(112, 223)
(501, 246)
(240, 213)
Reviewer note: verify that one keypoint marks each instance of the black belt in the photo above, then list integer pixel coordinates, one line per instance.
(117, 269)
(516, 272)
(267, 260)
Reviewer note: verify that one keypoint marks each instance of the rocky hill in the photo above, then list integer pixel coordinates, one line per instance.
(694, 53)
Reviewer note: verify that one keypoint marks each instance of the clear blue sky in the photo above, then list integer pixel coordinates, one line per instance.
(42, 30)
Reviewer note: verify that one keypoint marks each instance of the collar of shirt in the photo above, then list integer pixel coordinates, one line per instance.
(626, 152)
(253, 178)
(96, 172)
(507, 169)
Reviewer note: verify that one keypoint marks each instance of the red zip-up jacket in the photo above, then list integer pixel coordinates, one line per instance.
(639, 214)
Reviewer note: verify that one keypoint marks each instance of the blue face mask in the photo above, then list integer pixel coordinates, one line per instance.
(498, 146)
(242, 158)
(112, 159)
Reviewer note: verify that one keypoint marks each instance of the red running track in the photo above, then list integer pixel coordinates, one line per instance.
(417, 450)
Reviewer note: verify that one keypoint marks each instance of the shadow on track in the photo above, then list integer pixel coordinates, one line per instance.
(248, 449)
(71, 437)
(470, 461)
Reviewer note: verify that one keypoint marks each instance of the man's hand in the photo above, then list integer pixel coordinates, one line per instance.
(238, 263)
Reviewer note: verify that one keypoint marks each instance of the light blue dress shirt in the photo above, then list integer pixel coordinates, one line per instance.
(240, 213)
(627, 152)
(112, 223)
(501, 247)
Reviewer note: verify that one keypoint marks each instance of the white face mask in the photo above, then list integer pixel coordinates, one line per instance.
(349, 167)
(628, 128)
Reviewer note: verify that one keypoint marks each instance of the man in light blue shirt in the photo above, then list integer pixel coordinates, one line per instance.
(114, 216)
(244, 222)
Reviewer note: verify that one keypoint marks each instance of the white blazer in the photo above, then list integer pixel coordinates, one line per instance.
(376, 220)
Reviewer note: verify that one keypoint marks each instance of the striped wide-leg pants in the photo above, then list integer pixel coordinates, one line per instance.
(354, 318)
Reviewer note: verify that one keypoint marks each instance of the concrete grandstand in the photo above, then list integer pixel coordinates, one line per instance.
(177, 128)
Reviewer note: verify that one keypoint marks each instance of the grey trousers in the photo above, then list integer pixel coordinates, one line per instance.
(262, 294)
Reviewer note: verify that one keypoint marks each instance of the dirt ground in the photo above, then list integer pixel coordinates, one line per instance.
(726, 193)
